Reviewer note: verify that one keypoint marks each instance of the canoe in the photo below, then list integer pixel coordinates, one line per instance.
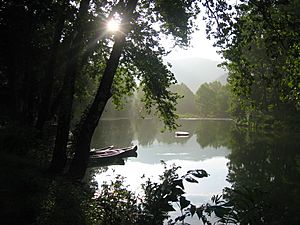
(182, 134)
(95, 150)
(114, 153)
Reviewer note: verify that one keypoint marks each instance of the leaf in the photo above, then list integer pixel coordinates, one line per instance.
(198, 173)
(219, 211)
(166, 207)
(192, 180)
(204, 219)
(178, 191)
(193, 210)
(180, 218)
(183, 202)
(199, 212)
(178, 183)
(174, 194)
(216, 199)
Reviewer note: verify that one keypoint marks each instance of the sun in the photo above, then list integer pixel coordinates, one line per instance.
(113, 25)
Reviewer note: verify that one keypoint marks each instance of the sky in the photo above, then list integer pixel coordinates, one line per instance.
(200, 47)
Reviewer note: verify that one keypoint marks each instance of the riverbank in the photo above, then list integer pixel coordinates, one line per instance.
(28, 195)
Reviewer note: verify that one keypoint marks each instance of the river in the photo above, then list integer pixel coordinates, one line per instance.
(260, 165)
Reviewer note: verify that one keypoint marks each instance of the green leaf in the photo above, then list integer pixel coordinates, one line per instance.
(199, 173)
(166, 207)
(178, 183)
(219, 211)
(191, 180)
(199, 212)
(183, 202)
(174, 194)
(193, 210)
(180, 218)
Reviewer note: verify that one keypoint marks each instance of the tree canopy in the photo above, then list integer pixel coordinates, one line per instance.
(259, 41)
(213, 99)
(55, 51)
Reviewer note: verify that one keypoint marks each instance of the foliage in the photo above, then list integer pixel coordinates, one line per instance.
(68, 203)
(213, 99)
(160, 197)
(23, 185)
(259, 41)
(186, 104)
(116, 204)
(58, 51)
(29, 32)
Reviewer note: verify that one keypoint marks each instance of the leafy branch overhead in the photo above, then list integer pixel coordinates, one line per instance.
(161, 198)
(259, 41)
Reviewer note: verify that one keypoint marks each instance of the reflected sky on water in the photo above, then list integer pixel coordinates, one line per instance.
(204, 149)
(258, 167)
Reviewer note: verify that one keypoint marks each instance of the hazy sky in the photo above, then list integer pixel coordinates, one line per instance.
(200, 47)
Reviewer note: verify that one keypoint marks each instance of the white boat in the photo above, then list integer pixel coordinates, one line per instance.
(182, 134)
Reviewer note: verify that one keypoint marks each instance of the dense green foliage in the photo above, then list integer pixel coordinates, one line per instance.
(28, 42)
(53, 52)
(260, 43)
(186, 104)
(56, 51)
(212, 100)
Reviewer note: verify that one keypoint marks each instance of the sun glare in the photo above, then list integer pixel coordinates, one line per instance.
(113, 25)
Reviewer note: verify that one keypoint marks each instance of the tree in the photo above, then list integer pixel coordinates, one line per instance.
(213, 99)
(90, 121)
(142, 58)
(260, 43)
(186, 104)
(51, 48)
(24, 51)
(72, 69)
(44, 108)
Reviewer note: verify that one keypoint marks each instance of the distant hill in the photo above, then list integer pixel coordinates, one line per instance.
(195, 71)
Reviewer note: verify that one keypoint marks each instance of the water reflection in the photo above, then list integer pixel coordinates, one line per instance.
(264, 171)
(214, 133)
(119, 133)
(264, 168)
(146, 131)
(154, 146)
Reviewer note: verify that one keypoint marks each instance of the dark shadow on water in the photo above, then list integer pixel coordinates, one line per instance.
(264, 167)
(264, 171)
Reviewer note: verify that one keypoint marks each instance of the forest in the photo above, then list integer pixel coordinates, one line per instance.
(63, 68)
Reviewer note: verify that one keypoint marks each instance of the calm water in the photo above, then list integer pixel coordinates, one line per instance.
(264, 168)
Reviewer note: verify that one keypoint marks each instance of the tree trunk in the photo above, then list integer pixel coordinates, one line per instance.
(91, 119)
(59, 157)
(49, 78)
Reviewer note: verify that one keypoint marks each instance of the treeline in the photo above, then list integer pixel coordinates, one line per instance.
(57, 54)
(211, 100)
(260, 42)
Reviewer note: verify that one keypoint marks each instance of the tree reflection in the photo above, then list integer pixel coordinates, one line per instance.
(146, 130)
(119, 133)
(213, 133)
(264, 170)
